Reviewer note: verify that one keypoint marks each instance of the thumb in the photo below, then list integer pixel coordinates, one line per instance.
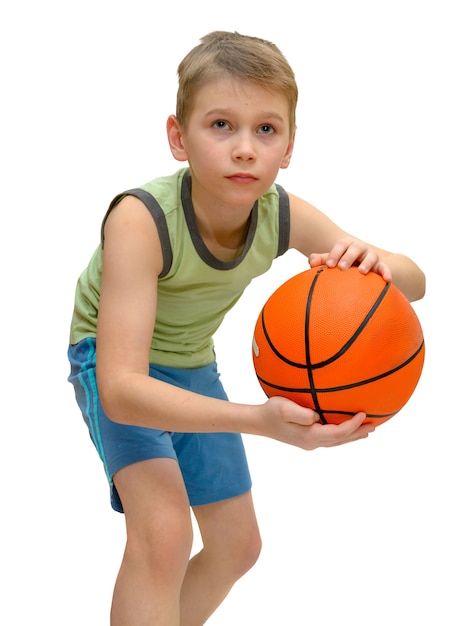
(305, 417)
(316, 259)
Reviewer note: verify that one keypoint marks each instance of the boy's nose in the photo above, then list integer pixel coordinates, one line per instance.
(243, 149)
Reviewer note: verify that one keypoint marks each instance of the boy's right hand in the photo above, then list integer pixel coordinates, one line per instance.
(291, 423)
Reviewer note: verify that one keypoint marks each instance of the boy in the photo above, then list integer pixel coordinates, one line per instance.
(176, 254)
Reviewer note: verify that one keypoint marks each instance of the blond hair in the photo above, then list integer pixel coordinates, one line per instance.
(222, 54)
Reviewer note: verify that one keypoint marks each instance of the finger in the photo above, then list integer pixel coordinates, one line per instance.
(316, 259)
(351, 425)
(355, 428)
(355, 252)
(305, 417)
(336, 253)
(384, 271)
(347, 252)
(349, 430)
(370, 261)
(361, 433)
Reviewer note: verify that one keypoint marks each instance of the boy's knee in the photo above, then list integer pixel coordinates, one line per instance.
(161, 544)
(253, 550)
(245, 553)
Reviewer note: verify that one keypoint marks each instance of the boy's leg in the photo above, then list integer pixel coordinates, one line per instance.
(231, 546)
(159, 540)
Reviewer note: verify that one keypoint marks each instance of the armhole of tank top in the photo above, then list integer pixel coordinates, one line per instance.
(158, 215)
(284, 221)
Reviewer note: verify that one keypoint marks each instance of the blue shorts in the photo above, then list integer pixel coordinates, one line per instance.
(213, 465)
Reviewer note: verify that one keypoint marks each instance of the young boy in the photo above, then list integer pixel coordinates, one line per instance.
(176, 254)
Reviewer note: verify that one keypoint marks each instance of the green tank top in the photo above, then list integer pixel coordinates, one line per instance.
(195, 289)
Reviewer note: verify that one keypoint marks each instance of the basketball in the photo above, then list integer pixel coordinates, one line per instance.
(339, 342)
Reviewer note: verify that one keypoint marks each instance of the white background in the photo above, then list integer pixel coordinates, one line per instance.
(371, 533)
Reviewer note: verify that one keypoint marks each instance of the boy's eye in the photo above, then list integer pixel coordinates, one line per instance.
(266, 129)
(221, 124)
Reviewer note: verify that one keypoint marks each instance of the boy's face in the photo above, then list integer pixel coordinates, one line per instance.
(236, 139)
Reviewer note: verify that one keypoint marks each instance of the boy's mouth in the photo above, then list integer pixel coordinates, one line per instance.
(242, 178)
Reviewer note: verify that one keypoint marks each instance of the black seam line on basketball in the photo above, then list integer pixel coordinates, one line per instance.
(313, 393)
(357, 332)
(377, 416)
(270, 343)
(359, 383)
(342, 350)
(307, 390)
(275, 350)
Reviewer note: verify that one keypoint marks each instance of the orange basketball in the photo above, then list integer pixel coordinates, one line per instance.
(339, 342)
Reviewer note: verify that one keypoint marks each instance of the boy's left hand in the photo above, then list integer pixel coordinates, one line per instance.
(347, 252)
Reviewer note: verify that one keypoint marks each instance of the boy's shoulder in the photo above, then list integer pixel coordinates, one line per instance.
(166, 187)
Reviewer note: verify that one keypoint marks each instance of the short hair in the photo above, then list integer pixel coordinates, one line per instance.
(222, 54)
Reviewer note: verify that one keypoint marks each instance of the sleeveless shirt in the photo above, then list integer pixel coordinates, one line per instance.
(195, 289)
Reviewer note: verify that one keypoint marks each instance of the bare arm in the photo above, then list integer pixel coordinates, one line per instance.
(319, 238)
(132, 261)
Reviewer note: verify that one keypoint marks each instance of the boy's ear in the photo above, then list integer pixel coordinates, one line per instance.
(288, 154)
(175, 139)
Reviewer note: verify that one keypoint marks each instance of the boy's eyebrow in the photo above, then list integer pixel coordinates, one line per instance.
(227, 112)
